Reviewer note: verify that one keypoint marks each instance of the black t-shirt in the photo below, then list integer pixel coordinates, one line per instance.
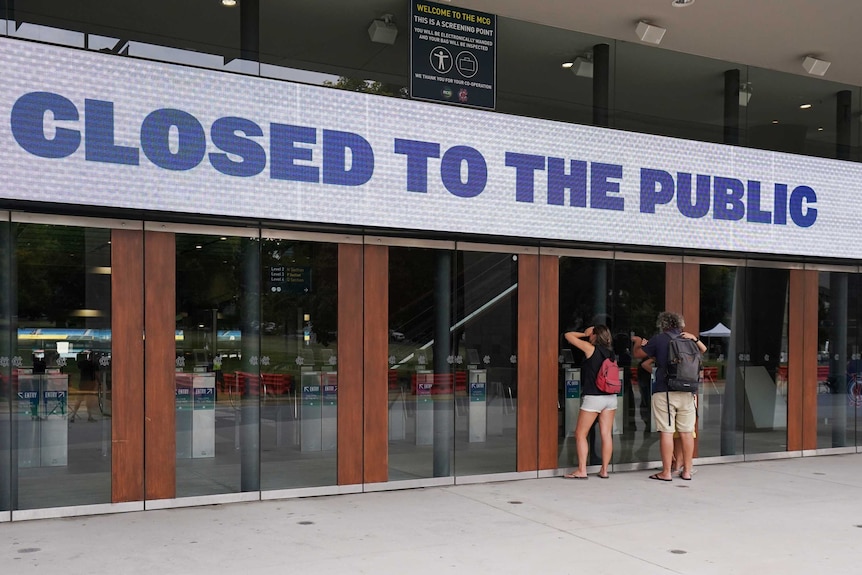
(590, 369)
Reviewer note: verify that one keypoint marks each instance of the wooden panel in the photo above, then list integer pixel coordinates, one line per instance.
(549, 344)
(528, 363)
(375, 368)
(160, 309)
(127, 366)
(673, 284)
(802, 361)
(350, 364)
(691, 297)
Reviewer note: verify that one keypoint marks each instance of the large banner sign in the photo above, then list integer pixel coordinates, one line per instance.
(91, 129)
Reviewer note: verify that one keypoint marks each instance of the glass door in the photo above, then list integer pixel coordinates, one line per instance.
(57, 371)
(218, 359)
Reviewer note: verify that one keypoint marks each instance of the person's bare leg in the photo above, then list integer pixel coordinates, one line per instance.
(666, 449)
(585, 421)
(606, 428)
(687, 440)
(677, 462)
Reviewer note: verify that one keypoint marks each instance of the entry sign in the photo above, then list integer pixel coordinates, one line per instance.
(453, 56)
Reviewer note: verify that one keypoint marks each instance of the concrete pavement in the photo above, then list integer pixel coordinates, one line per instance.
(787, 516)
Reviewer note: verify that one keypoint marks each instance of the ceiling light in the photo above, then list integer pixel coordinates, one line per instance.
(744, 93)
(649, 33)
(804, 106)
(567, 64)
(383, 30)
(820, 129)
(774, 121)
(815, 66)
(228, 3)
(681, 3)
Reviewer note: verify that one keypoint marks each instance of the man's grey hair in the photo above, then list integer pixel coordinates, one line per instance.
(669, 320)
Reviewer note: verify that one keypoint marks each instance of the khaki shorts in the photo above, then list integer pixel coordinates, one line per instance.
(682, 411)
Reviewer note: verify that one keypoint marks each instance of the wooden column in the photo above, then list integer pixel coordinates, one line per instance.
(802, 361)
(350, 363)
(160, 359)
(549, 345)
(673, 287)
(375, 368)
(528, 363)
(127, 366)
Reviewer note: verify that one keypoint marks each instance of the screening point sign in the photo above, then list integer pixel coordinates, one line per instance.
(453, 55)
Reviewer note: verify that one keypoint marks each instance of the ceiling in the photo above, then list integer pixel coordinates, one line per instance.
(666, 82)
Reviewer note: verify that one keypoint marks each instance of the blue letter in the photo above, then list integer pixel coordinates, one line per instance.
(801, 195)
(780, 203)
(224, 136)
(754, 213)
(650, 196)
(417, 162)
(601, 186)
(559, 181)
(477, 171)
(335, 146)
(728, 194)
(700, 206)
(155, 139)
(524, 165)
(28, 125)
(284, 153)
(99, 135)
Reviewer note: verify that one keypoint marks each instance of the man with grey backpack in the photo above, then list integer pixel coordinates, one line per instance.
(678, 359)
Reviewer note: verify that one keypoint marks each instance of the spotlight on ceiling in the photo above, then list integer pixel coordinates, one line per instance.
(583, 66)
(681, 3)
(649, 33)
(383, 30)
(815, 66)
(228, 3)
(744, 93)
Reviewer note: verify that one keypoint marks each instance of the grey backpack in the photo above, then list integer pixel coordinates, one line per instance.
(684, 365)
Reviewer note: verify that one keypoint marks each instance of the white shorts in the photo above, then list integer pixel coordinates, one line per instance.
(598, 403)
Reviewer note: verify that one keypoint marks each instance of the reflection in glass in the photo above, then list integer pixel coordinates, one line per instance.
(627, 297)
(299, 364)
(716, 434)
(6, 343)
(60, 370)
(218, 383)
(485, 359)
(424, 378)
(839, 377)
(758, 359)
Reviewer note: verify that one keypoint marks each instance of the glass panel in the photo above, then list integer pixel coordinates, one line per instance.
(669, 93)
(839, 377)
(298, 364)
(638, 296)
(6, 343)
(218, 353)
(795, 113)
(424, 381)
(627, 297)
(61, 369)
(486, 330)
(761, 358)
(719, 432)
(138, 30)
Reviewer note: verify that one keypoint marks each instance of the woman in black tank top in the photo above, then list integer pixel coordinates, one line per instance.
(596, 343)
